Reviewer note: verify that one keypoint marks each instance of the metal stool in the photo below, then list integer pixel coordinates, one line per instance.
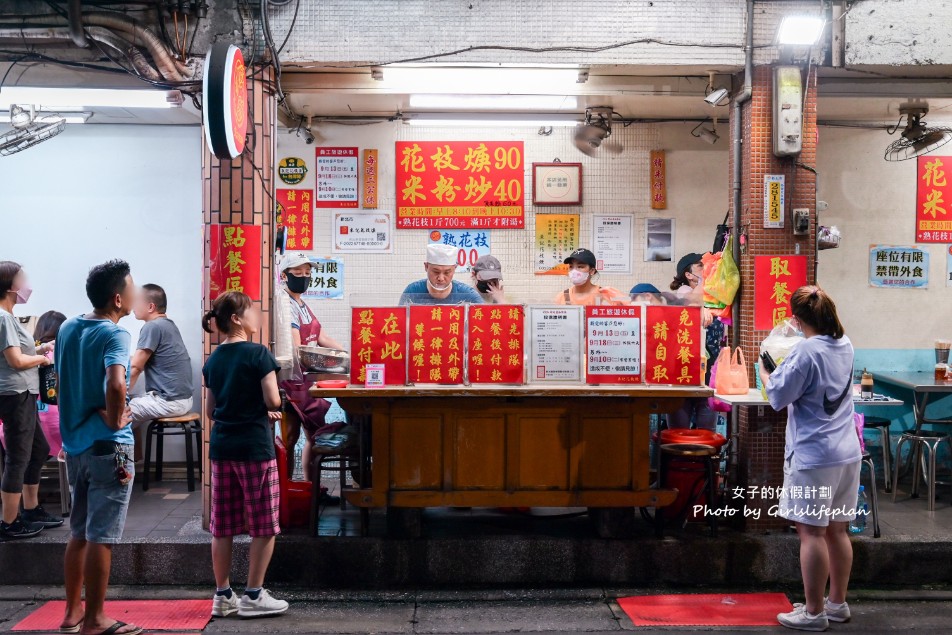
(921, 440)
(881, 424)
(707, 457)
(874, 498)
(186, 425)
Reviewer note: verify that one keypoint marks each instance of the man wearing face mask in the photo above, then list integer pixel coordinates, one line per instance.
(439, 287)
(487, 276)
(583, 291)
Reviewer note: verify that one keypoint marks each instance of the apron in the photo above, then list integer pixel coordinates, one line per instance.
(310, 410)
(311, 332)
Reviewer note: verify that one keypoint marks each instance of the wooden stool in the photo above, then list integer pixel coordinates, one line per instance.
(187, 425)
(873, 498)
(922, 442)
(706, 457)
(882, 425)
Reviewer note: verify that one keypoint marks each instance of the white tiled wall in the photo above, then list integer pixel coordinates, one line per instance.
(698, 190)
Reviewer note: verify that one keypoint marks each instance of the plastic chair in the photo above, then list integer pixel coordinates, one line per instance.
(187, 425)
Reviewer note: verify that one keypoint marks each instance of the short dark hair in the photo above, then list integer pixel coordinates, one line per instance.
(47, 327)
(105, 281)
(156, 296)
(8, 271)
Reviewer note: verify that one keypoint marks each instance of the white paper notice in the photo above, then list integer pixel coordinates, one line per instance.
(556, 341)
(363, 232)
(612, 243)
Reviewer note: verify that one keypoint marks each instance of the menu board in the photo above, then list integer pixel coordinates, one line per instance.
(673, 345)
(613, 344)
(379, 336)
(337, 177)
(436, 344)
(556, 339)
(496, 344)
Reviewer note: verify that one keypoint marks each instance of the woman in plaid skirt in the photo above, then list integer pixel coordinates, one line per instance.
(241, 387)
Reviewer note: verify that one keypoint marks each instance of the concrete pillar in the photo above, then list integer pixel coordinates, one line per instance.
(761, 431)
(240, 192)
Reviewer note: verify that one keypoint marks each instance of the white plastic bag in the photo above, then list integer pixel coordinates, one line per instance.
(781, 341)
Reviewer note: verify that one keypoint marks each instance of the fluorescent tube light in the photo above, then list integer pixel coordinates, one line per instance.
(495, 102)
(54, 98)
(506, 121)
(473, 80)
(800, 30)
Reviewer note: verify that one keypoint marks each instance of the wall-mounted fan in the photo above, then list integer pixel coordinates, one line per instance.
(591, 135)
(917, 138)
(29, 129)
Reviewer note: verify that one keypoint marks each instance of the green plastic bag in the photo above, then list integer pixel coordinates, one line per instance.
(725, 282)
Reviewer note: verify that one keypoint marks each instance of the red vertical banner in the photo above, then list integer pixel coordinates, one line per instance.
(379, 336)
(933, 200)
(613, 344)
(436, 344)
(296, 215)
(775, 280)
(496, 344)
(235, 252)
(673, 341)
(659, 186)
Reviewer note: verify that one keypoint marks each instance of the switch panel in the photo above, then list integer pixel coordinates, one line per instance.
(787, 111)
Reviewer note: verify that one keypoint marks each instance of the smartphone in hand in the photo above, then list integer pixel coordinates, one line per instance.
(769, 364)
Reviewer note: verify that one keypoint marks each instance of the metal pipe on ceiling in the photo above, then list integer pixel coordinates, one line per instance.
(75, 15)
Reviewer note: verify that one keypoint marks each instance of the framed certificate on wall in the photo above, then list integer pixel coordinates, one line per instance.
(557, 183)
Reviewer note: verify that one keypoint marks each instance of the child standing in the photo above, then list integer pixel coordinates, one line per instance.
(240, 388)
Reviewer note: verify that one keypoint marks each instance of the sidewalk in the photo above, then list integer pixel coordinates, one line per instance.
(539, 611)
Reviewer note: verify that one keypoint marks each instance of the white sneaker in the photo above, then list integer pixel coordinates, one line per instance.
(224, 606)
(841, 614)
(264, 605)
(800, 620)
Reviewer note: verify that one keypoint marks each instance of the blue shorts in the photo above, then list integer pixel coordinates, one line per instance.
(100, 501)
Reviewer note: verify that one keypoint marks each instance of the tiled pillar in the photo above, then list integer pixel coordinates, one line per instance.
(760, 432)
(239, 192)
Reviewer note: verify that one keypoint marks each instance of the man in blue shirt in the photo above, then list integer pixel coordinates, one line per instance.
(439, 287)
(92, 354)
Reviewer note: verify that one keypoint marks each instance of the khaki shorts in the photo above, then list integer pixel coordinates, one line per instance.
(820, 496)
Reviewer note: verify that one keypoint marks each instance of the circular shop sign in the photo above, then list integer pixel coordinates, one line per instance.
(225, 103)
(292, 170)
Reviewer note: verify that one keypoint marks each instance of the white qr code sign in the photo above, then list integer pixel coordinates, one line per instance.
(375, 376)
(363, 232)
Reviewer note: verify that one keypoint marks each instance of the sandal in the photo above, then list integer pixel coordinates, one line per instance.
(114, 629)
(75, 628)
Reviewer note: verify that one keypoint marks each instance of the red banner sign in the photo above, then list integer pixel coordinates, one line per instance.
(775, 280)
(235, 260)
(673, 340)
(933, 200)
(378, 336)
(460, 184)
(613, 344)
(496, 344)
(436, 344)
(296, 215)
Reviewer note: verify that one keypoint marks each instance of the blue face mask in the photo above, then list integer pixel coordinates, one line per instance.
(796, 325)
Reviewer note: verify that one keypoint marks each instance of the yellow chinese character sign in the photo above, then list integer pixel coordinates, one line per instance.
(775, 280)
(234, 260)
(379, 336)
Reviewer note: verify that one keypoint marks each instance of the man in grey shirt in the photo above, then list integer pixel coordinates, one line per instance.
(162, 356)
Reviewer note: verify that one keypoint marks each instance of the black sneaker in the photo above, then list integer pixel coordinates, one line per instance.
(40, 516)
(18, 529)
(328, 500)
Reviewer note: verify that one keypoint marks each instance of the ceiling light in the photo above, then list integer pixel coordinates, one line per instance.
(495, 102)
(716, 96)
(55, 98)
(80, 117)
(502, 120)
(477, 80)
(800, 30)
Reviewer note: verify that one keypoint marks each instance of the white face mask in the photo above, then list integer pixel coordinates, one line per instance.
(577, 276)
(436, 288)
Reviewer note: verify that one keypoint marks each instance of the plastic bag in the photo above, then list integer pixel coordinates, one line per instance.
(731, 373)
(714, 403)
(722, 285)
(781, 341)
(710, 262)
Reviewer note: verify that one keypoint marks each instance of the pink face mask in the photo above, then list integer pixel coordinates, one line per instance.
(23, 295)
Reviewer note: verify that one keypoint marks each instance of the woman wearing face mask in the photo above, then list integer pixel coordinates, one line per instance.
(583, 291)
(24, 443)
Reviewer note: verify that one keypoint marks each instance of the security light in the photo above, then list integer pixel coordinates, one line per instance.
(800, 30)
(715, 97)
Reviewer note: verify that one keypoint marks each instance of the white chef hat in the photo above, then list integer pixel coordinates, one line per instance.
(441, 255)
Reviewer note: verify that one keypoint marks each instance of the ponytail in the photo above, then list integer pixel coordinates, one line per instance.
(225, 306)
(679, 281)
(812, 306)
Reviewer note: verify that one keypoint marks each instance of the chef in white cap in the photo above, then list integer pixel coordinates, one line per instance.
(439, 287)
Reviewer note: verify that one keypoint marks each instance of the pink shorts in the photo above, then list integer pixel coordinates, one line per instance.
(245, 498)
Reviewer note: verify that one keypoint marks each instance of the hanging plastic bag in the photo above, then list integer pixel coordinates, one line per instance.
(710, 263)
(731, 373)
(725, 280)
(714, 403)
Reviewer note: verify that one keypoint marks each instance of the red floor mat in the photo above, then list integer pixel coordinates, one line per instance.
(152, 615)
(742, 609)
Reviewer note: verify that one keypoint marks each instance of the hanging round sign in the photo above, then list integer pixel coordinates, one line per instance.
(292, 170)
(225, 101)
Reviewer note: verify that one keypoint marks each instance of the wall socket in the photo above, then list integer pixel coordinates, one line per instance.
(801, 222)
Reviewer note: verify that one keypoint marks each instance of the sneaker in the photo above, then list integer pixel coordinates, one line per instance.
(841, 614)
(328, 500)
(800, 620)
(223, 606)
(40, 516)
(18, 530)
(263, 606)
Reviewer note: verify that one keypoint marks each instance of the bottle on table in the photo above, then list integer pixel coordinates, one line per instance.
(866, 386)
(858, 524)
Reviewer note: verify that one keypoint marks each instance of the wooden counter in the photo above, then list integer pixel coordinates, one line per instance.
(550, 445)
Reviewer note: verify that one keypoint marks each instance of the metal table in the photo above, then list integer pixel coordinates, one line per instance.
(755, 398)
(923, 385)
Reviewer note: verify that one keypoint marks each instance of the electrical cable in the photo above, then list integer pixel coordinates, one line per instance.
(290, 28)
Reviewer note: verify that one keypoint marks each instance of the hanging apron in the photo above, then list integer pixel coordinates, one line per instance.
(310, 410)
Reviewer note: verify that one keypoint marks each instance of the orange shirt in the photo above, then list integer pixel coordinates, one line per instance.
(601, 295)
